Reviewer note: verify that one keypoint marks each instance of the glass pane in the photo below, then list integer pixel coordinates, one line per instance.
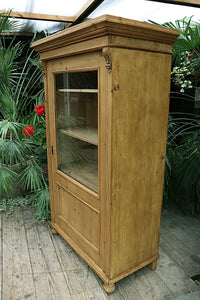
(77, 126)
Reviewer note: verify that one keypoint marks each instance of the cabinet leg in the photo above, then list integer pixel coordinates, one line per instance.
(109, 287)
(53, 230)
(152, 266)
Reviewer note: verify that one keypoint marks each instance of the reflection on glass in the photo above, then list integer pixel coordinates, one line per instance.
(77, 126)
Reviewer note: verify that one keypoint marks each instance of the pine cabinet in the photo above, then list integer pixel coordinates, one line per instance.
(107, 84)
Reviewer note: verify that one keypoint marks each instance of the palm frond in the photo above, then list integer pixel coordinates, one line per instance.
(4, 21)
(9, 67)
(10, 130)
(188, 40)
(8, 178)
(8, 105)
(32, 177)
(14, 151)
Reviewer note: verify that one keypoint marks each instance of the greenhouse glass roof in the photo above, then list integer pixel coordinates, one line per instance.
(142, 10)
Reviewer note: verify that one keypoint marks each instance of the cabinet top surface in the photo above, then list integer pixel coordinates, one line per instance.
(107, 25)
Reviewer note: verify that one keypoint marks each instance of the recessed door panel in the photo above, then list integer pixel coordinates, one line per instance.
(79, 216)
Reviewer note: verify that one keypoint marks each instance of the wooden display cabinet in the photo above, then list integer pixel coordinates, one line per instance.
(107, 84)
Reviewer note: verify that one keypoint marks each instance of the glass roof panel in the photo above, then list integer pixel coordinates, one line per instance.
(58, 7)
(142, 10)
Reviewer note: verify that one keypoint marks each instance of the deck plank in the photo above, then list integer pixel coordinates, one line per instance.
(48, 275)
(37, 265)
(125, 289)
(149, 285)
(69, 259)
(83, 281)
(184, 228)
(16, 268)
(80, 278)
(173, 276)
(180, 253)
(51, 285)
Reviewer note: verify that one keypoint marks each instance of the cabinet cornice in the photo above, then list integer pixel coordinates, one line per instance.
(106, 26)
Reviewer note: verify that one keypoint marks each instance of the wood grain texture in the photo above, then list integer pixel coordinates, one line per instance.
(38, 16)
(16, 267)
(140, 118)
(105, 26)
(168, 270)
(175, 231)
(47, 272)
(76, 212)
(150, 285)
(115, 230)
(89, 135)
(57, 271)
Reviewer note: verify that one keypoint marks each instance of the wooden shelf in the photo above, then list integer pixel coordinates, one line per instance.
(78, 90)
(86, 175)
(89, 135)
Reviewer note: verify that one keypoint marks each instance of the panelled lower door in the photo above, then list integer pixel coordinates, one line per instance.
(74, 123)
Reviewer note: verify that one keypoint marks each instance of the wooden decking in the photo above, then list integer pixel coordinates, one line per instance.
(37, 265)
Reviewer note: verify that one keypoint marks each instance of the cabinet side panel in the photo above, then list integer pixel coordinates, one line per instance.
(49, 103)
(141, 85)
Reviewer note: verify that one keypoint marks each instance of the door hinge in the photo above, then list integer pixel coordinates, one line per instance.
(50, 149)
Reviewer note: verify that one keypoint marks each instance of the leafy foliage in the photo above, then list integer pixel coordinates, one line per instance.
(182, 171)
(41, 204)
(8, 204)
(188, 40)
(8, 177)
(22, 159)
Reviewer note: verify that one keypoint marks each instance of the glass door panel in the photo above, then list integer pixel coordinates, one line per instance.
(76, 102)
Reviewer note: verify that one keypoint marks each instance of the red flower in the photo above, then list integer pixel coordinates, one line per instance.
(40, 109)
(45, 170)
(28, 130)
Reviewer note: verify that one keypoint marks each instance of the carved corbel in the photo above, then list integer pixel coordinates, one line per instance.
(43, 65)
(107, 55)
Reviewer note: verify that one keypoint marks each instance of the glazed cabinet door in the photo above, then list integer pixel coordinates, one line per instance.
(75, 99)
(76, 112)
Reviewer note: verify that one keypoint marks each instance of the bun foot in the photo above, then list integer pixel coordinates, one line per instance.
(53, 230)
(109, 288)
(152, 266)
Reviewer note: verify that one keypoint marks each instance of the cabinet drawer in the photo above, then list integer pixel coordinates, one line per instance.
(79, 217)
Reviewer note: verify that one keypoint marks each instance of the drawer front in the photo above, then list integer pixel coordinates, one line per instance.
(78, 219)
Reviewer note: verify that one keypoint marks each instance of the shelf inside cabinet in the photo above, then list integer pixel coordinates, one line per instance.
(86, 175)
(88, 134)
(78, 90)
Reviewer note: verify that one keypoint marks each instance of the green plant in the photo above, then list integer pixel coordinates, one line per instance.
(182, 171)
(8, 205)
(22, 156)
(188, 40)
